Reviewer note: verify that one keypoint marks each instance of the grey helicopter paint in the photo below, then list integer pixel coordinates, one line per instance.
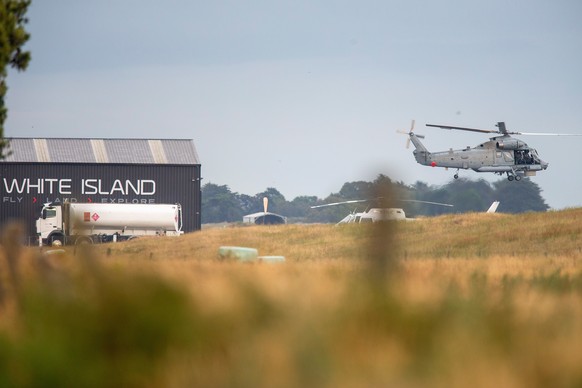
(500, 155)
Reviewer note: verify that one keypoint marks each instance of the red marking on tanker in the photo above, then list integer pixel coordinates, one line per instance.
(95, 216)
(33, 199)
(89, 200)
(433, 164)
(86, 216)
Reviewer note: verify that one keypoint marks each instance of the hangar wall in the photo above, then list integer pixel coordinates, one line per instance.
(26, 185)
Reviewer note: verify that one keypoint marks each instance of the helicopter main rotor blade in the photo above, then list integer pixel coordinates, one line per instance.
(503, 132)
(544, 134)
(429, 202)
(380, 198)
(463, 128)
(340, 203)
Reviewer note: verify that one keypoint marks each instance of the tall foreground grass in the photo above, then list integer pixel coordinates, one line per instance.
(471, 300)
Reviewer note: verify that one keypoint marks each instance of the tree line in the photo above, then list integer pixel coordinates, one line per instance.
(13, 36)
(220, 204)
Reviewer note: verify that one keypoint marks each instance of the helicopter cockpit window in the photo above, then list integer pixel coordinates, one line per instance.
(508, 156)
(534, 156)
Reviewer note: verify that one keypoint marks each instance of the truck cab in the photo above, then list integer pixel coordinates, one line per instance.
(49, 226)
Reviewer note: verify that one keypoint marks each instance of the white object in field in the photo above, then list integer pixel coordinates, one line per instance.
(238, 253)
(272, 259)
(54, 252)
(493, 207)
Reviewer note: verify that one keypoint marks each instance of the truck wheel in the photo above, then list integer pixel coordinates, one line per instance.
(83, 241)
(57, 240)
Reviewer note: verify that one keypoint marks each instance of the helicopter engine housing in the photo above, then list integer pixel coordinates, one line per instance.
(510, 144)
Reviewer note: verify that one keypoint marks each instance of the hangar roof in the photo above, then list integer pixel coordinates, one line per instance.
(121, 151)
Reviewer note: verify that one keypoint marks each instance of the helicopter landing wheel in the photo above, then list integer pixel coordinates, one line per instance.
(456, 176)
(510, 178)
(517, 178)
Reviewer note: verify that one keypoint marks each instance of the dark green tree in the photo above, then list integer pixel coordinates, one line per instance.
(219, 204)
(469, 196)
(277, 202)
(356, 190)
(519, 197)
(331, 213)
(300, 206)
(13, 36)
(249, 204)
(423, 192)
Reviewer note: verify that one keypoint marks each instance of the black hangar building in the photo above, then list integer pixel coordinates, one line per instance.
(55, 170)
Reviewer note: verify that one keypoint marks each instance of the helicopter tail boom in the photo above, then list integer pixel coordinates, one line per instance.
(421, 154)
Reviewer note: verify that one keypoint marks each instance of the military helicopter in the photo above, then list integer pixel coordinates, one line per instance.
(502, 154)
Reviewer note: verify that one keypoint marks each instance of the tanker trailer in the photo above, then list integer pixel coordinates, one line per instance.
(72, 223)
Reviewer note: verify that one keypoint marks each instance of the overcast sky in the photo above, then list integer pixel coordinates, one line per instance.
(305, 95)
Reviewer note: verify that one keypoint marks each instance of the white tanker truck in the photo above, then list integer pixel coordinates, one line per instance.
(73, 223)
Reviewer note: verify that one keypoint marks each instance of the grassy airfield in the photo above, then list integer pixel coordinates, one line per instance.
(453, 301)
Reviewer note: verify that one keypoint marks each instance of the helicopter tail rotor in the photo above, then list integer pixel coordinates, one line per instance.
(411, 130)
(409, 133)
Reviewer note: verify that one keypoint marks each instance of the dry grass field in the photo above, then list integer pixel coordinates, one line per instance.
(466, 300)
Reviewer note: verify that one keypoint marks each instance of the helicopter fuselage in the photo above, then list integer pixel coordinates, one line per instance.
(375, 215)
(501, 154)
